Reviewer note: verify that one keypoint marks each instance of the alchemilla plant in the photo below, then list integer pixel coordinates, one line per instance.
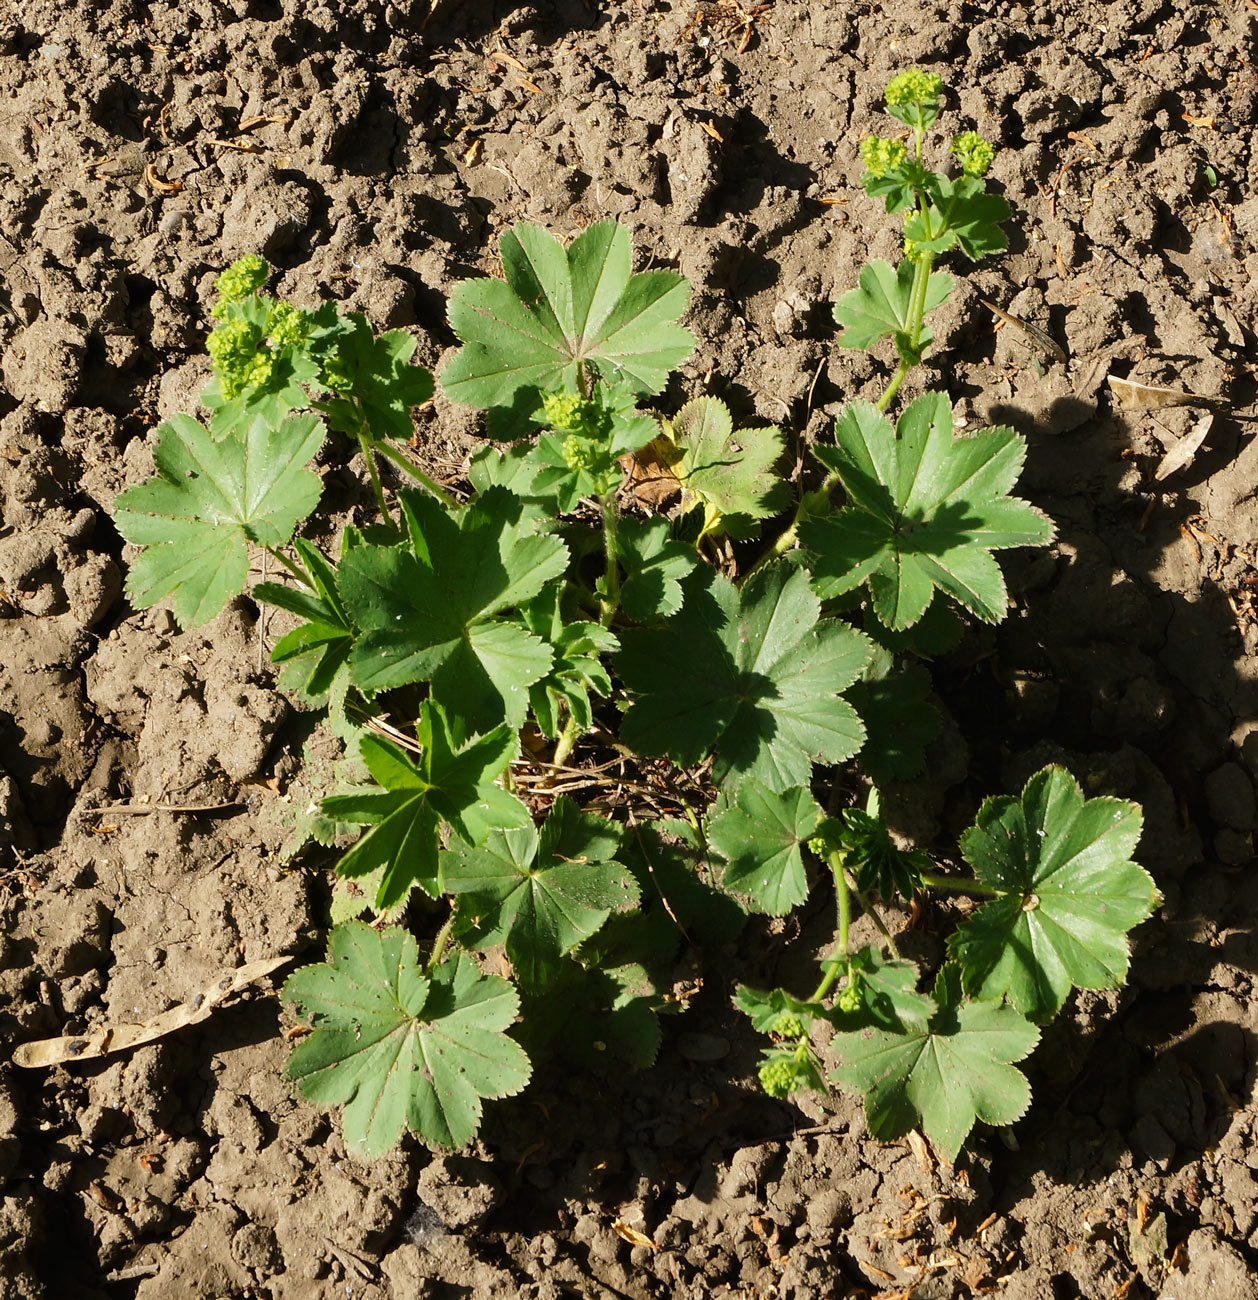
(485, 659)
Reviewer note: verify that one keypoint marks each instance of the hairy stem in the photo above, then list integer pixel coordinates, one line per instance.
(567, 739)
(441, 943)
(609, 602)
(961, 885)
(405, 463)
(300, 574)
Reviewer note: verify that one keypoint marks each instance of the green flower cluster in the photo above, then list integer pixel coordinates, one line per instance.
(287, 326)
(973, 153)
(881, 156)
(914, 87)
(850, 995)
(244, 276)
(581, 453)
(777, 1076)
(788, 1025)
(234, 351)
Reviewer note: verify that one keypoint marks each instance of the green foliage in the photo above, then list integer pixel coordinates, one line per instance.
(432, 610)
(398, 1048)
(558, 314)
(925, 510)
(1066, 894)
(314, 653)
(883, 304)
(753, 677)
(730, 475)
(944, 1075)
(208, 501)
(760, 836)
(540, 894)
(487, 650)
(412, 799)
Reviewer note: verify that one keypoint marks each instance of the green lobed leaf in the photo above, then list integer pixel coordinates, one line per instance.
(557, 311)
(753, 676)
(894, 704)
(654, 566)
(577, 667)
(730, 473)
(943, 1076)
(377, 385)
(759, 836)
(316, 650)
(539, 894)
(1069, 894)
(881, 305)
(925, 511)
(398, 1048)
(208, 500)
(429, 612)
(413, 797)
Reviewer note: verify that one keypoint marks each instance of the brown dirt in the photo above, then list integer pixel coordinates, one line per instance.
(384, 154)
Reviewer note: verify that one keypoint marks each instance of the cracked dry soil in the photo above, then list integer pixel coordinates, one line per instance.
(372, 152)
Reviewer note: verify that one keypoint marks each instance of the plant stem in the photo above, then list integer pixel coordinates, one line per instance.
(609, 602)
(960, 885)
(567, 739)
(441, 943)
(843, 901)
(299, 574)
(365, 443)
(404, 463)
(917, 312)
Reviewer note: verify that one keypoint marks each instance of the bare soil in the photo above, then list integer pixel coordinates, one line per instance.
(372, 152)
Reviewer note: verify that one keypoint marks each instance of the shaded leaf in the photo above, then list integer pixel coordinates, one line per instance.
(754, 676)
(760, 837)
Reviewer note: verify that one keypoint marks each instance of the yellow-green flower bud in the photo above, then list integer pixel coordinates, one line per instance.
(232, 347)
(244, 276)
(913, 87)
(788, 1025)
(880, 156)
(973, 153)
(579, 453)
(286, 326)
(565, 412)
(777, 1077)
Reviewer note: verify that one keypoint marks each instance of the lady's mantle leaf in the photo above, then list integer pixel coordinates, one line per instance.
(654, 566)
(428, 612)
(315, 651)
(760, 837)
(881, 306)
(208, 500)
(398, 1048)
(413, 798)
(557, 311)
(942, 1076)
(730, 473)
(1069, 895)
(543, 894)
(752, 675)
(925, 510)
